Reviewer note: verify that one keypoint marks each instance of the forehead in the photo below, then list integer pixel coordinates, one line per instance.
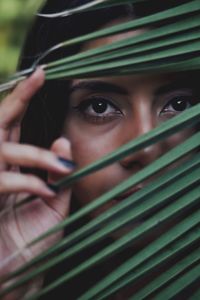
(111, 39)
(125, 80)
(154, 80)
(151, 84)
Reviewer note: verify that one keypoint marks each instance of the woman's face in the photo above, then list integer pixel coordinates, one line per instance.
(106, 113)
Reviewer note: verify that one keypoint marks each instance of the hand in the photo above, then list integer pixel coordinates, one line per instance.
(20, 226)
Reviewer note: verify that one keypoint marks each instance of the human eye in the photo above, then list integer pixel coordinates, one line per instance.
(177, 104)
(98, 109)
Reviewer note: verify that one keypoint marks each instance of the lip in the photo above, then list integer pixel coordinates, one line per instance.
(128, 193)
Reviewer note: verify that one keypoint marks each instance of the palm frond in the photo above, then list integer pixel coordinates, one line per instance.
(184, 10)
(192, 143)
(173, 196)
(95, 4)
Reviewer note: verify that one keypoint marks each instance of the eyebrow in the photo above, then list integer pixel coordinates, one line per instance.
(102, 86)
(173, 86)
(98, 86)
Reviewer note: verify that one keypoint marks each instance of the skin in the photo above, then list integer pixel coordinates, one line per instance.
(106, 113)
(19, 227)
(134, 108)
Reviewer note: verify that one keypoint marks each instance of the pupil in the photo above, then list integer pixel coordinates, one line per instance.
(179, 104)
(99, 107)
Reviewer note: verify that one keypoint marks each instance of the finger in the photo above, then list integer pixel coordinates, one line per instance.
(14, 134)
(20, 183)
(62, 148)
(13, 107)
(30, 156)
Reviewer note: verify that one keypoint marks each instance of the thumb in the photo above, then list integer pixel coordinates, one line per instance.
(61, 203)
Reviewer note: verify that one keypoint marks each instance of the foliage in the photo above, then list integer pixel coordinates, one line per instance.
(181, 184)
(15, 19)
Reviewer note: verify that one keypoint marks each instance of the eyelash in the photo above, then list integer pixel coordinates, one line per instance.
(183, 102)
(98, 117)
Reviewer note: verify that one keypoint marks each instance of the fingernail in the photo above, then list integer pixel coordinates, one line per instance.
(53, 187)
(67, 163)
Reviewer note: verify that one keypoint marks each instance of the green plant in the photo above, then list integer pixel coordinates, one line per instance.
(176, 50)
(15, 19)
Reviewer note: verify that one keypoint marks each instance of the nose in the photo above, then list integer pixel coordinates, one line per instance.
(143, 157)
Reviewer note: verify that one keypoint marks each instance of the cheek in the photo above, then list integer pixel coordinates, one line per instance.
(178, 138)
(93, 186)
(87, 147)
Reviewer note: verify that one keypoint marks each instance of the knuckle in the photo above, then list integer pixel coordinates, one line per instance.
(37, 155)
(62, 147)
(60, 143)
(6, 152)
(55, 145)
(32, 181)
(2, 182)
(3, 149)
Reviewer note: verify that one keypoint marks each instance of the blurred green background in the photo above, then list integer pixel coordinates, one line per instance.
(15, 18)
